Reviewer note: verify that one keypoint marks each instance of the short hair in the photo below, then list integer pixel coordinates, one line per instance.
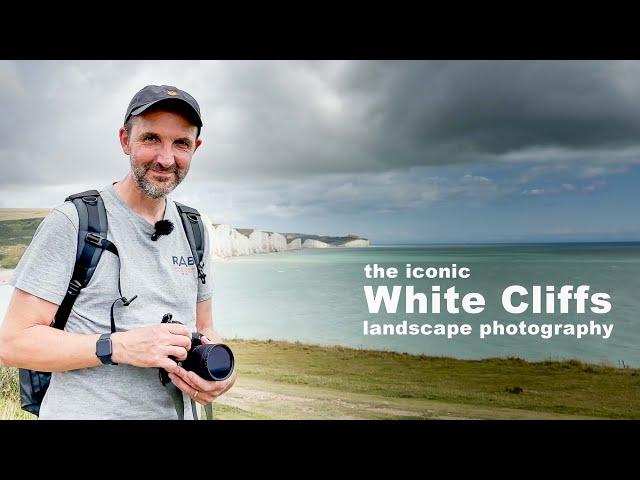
(167, 106)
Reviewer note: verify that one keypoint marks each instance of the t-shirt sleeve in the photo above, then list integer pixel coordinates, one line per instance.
(47, 264)
(205, 291)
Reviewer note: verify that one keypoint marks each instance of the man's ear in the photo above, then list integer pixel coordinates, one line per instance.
(124, 140)
(197, 144)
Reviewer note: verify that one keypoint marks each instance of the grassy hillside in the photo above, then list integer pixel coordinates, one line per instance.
(21, 213)
(293, 380)
(15, 236)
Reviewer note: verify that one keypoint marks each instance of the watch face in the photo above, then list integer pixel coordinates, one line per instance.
(103, 347)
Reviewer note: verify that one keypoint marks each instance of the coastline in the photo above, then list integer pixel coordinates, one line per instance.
(227, 241)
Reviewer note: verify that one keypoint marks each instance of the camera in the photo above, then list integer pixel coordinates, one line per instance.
(213, 361)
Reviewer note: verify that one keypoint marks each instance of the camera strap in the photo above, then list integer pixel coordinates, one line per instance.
(208, 409)
(178, 402)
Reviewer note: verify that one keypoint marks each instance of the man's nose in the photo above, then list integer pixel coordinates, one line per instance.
(165, 156)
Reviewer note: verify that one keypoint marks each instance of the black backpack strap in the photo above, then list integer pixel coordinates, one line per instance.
(194, 229)
(92, 240)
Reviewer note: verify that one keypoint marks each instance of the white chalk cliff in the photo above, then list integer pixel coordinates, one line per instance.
(227, 241)
(357, 243)
(310, 243)
(294, 244)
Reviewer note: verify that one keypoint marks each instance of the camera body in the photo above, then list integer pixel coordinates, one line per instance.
(213, 361)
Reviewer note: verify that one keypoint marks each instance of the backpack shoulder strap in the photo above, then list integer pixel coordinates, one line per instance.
(92, 240)
(194, 229)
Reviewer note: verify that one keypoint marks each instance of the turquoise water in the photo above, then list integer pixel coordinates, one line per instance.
(317, 296)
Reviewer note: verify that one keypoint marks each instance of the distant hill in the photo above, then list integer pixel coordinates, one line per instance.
(323, 238)
(20, 213)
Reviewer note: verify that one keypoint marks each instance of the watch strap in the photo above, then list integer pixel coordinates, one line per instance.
(105, 358)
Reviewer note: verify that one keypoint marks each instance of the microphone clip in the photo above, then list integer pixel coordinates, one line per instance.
(162, 227)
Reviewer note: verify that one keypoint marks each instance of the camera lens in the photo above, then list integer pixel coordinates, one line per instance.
(211, 361)
(220, 361)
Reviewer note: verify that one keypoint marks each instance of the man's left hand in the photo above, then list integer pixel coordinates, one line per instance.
(197, 388)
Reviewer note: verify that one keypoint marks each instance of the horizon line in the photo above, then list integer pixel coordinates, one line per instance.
(506, 242)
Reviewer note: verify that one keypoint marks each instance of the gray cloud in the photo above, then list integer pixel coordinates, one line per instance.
(290, 119)
(330, 196)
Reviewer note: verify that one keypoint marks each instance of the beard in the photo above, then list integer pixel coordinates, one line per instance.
(157, 188)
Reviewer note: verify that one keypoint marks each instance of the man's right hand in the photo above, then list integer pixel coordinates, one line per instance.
(152, 346)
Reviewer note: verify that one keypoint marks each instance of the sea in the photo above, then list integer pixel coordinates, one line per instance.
(318, 296)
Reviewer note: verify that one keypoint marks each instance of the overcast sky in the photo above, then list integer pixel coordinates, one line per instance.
(463, 151)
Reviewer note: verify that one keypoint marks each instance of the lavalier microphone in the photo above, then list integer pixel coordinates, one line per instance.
(163, 227)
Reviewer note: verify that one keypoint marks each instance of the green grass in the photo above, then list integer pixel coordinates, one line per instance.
(10, 396)
(228, 412)
(559, 387)
(10, 255)
(565, 387)
(15, 235)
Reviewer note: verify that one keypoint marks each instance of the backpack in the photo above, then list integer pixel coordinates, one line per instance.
(92, 241)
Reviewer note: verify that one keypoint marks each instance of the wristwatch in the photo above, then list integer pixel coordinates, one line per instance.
(104, 349)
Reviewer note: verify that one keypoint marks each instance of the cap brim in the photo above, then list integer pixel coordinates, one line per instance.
(139, 110)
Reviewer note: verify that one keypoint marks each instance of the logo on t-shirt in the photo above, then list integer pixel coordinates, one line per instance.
(183, 265)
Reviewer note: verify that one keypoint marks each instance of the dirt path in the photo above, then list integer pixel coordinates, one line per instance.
(259, 399)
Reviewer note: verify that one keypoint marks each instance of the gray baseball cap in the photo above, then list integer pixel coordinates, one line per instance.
(153, 94)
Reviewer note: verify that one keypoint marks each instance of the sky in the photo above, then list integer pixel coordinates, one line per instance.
(395, 151)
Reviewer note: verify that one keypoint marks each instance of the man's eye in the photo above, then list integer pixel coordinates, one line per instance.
(149, 139)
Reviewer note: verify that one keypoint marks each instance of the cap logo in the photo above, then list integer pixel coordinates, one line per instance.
(173, 93)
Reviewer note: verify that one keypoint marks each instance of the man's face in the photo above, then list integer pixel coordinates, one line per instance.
(160, 146)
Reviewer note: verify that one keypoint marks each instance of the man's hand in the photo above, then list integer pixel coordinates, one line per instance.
(197, 388)
(152, 346)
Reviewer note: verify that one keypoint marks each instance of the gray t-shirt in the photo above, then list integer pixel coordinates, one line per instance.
(161, 273)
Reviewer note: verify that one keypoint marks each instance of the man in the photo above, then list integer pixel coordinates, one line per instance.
(160, 135)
